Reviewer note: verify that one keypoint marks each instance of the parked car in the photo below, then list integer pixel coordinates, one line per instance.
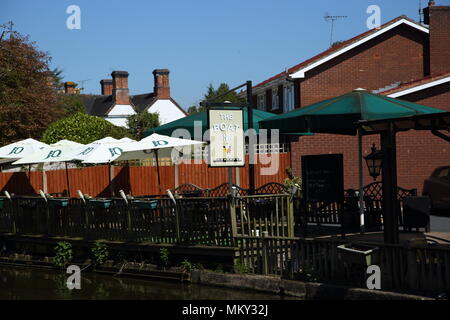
(437, 187)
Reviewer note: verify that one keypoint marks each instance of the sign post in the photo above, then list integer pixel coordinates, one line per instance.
(226, 136)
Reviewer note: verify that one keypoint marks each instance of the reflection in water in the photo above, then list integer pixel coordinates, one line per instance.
(26, 283)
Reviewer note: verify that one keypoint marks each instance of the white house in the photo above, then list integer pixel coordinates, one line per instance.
(115, 104)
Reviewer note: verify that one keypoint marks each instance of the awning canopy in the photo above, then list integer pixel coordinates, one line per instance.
(340, 115)
(434, 121)
(202, 121)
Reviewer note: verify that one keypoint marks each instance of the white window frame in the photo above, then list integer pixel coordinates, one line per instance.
(275, 99)
(262, 101)
(288, 95)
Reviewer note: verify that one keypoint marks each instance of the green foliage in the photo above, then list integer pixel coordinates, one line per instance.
(58, 82)
(28, 101)
(63, 254)
(164, 256)
(188, 266)
(240, 267)
(213, 95)
(100, 253)
(70, 104)
(82, 128)
(193, 109)
(336, 43)
(219, 268)
(141, 122)
(292, 180)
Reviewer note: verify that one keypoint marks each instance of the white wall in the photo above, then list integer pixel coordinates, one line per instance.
(118, 121)
(167, 110)
(119, 114)
(121, 109)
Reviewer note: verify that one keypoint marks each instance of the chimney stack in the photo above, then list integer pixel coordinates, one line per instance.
(69, 87)
(438, 19)
(120, 87)
(162, 87)
(107, 86)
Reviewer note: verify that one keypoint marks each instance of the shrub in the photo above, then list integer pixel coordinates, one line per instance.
(64, 254)
(164, 255)
(240, 267)
(82, 128)
(100, 253)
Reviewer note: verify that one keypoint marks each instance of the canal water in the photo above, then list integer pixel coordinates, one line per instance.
(22, 283)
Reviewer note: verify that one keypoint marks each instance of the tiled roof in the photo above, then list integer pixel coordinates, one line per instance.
(142, 101)
(331, 51)
(414, 83)
(101, 106)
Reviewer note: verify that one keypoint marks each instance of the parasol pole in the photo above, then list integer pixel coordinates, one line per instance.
(67, 179)
(29, 175)
(361, 186)
(111, 183)
(157, 169)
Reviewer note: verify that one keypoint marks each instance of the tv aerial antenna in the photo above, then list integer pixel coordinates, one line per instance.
(82, 83)
(332, 19)
(420, 12)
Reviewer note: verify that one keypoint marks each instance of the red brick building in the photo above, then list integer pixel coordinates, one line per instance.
(401, 58)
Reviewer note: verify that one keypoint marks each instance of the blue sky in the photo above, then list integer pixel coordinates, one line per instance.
(200, 41)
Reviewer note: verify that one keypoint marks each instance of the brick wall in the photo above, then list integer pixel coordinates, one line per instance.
(418, 152)
(397, 55)
(439, 23)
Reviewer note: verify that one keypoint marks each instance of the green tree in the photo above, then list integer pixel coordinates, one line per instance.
(70, 104)
(28, 103)
(192, 110)
(336, 43)
(212, 94)
(82, 128)
(142, 121)
(215, 95)
(58, 82)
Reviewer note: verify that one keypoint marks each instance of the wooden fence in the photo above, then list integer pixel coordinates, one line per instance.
(138, 180)
(259, 227)
(157, 220)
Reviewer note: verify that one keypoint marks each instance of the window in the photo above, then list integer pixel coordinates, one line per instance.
(262, 101)
(443, 173)
(275, 100)
(288, 96)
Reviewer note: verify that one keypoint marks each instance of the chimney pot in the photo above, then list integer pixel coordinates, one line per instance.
(120, 90)
(162, 86)
(107, 86)
(69, 87)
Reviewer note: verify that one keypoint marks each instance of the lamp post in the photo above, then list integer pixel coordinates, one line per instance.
(374, 161)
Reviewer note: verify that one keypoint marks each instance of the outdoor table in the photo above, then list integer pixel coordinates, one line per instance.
(145, 204)
(58, 203)
(100, 203)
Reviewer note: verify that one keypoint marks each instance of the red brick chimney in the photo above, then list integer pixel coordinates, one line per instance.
(120, 87)
(107, 86)
(162, 87)
(69, 87)
(438, 19)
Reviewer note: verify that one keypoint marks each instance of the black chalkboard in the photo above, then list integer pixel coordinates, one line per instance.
(323, 177)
